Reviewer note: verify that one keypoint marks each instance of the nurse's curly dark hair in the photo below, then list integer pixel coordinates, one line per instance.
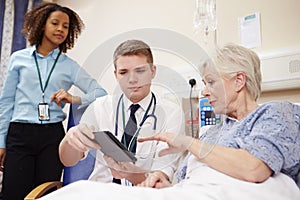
(35, 20)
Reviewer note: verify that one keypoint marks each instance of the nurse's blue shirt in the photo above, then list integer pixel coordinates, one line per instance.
(21, 92)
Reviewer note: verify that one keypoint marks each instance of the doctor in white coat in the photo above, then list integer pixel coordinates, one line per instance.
(134, 71)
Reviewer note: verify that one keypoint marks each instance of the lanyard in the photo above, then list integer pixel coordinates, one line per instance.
(39, 72)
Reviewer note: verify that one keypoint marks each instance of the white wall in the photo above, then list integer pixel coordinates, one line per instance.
(107, 19)
(279, 21)
(104, 19)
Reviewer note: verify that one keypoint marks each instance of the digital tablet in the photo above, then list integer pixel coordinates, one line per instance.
(112, 147)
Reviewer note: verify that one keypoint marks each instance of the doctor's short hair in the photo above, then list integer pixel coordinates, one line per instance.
(133, 47)
(232, 58)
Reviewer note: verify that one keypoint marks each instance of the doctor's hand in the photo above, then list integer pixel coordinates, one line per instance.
(176, 143)
(125, 170)
(80, 138)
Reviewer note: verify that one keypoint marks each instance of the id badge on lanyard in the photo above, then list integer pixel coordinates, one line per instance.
(43, 108)
(44, 114)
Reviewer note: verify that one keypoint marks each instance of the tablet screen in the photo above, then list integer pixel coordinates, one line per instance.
(112, 147)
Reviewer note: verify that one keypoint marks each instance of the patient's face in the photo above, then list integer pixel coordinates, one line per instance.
(218, 90)
(134, 75)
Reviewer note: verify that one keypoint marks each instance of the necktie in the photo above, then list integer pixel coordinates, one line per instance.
(130, 129)
(129, 132)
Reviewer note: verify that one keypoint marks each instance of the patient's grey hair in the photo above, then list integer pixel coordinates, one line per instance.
(232, 59)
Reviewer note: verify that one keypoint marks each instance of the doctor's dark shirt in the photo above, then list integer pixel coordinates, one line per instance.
(22, 93)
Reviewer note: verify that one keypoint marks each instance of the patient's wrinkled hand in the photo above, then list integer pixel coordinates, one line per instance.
(80, 138)
(156, 179)
(176, 143)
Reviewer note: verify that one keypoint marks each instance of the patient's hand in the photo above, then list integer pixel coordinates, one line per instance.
(176, 143)
(156, 179)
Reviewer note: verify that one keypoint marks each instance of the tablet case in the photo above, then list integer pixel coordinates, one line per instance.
(112, 147)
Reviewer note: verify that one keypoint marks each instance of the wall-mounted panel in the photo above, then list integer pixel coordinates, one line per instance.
(281, 69)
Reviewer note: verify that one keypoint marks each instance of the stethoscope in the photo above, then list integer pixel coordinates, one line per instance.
(145, 117)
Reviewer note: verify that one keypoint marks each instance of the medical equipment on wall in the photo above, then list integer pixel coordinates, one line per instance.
(192, 82)
(206, 113)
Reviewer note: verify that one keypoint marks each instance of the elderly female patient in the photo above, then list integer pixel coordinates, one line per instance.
(254, 142)
(253, 154)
